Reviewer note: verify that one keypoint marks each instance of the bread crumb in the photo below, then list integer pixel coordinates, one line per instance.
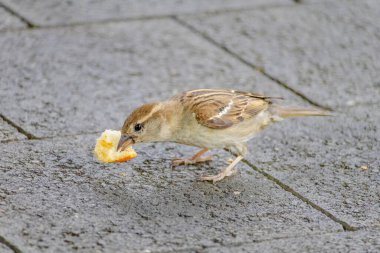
(106, 145)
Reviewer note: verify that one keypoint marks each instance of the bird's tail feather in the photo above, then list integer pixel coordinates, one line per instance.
(287, 112)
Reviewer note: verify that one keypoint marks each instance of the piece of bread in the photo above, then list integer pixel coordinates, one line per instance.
(106, 145)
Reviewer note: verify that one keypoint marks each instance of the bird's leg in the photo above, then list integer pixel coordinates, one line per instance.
(230, 170)
(194, 159)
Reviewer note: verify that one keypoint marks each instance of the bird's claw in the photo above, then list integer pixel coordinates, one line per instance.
(218, 177)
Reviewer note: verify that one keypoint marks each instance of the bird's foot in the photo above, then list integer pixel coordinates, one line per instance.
(178, 162)
(229, 171)
(220, 176)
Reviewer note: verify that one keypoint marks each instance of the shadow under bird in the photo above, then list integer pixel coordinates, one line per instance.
(208, 119)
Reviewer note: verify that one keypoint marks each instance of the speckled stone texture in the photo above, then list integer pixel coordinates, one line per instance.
(328, 52)
(57, 12)
(56, 197)
(361, 241)
(86, 79)
(5, 249)
(9, 133)
(307, 185)
(9, 21)
(333, 161)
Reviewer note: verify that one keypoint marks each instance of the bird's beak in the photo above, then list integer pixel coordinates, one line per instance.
(124, 142)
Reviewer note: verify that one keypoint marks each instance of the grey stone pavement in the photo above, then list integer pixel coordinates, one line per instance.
(70, 69)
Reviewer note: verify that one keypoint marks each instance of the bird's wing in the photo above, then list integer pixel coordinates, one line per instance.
(220, 109)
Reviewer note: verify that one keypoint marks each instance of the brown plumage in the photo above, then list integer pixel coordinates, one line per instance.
(210, 119)
(221, 109)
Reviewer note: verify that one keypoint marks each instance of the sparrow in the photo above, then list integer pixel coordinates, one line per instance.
(208, 119)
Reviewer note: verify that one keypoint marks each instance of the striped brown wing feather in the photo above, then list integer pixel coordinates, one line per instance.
(220, 109)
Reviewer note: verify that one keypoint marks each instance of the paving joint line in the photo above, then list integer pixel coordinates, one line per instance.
(245, 62)
(138, 18)
(33, 26)
(51, 137)
(18, 128)
(101, 22)
(28, 23)
(9, 245)
(241, 243)
(345, 225)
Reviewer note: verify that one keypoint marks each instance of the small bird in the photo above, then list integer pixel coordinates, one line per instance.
(208, 119)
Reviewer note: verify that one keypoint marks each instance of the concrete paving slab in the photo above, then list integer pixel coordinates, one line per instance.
(5, 249)
(325, 51)
(365, 4)
(57, 198)
(57, 12)
(359, 241)
(88, 78)
(332, 161)
(8, 21)
(9, 133)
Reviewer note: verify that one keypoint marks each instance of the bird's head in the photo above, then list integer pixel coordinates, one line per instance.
(145, 124)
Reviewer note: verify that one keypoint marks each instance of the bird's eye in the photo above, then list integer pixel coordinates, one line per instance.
(138, 127)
